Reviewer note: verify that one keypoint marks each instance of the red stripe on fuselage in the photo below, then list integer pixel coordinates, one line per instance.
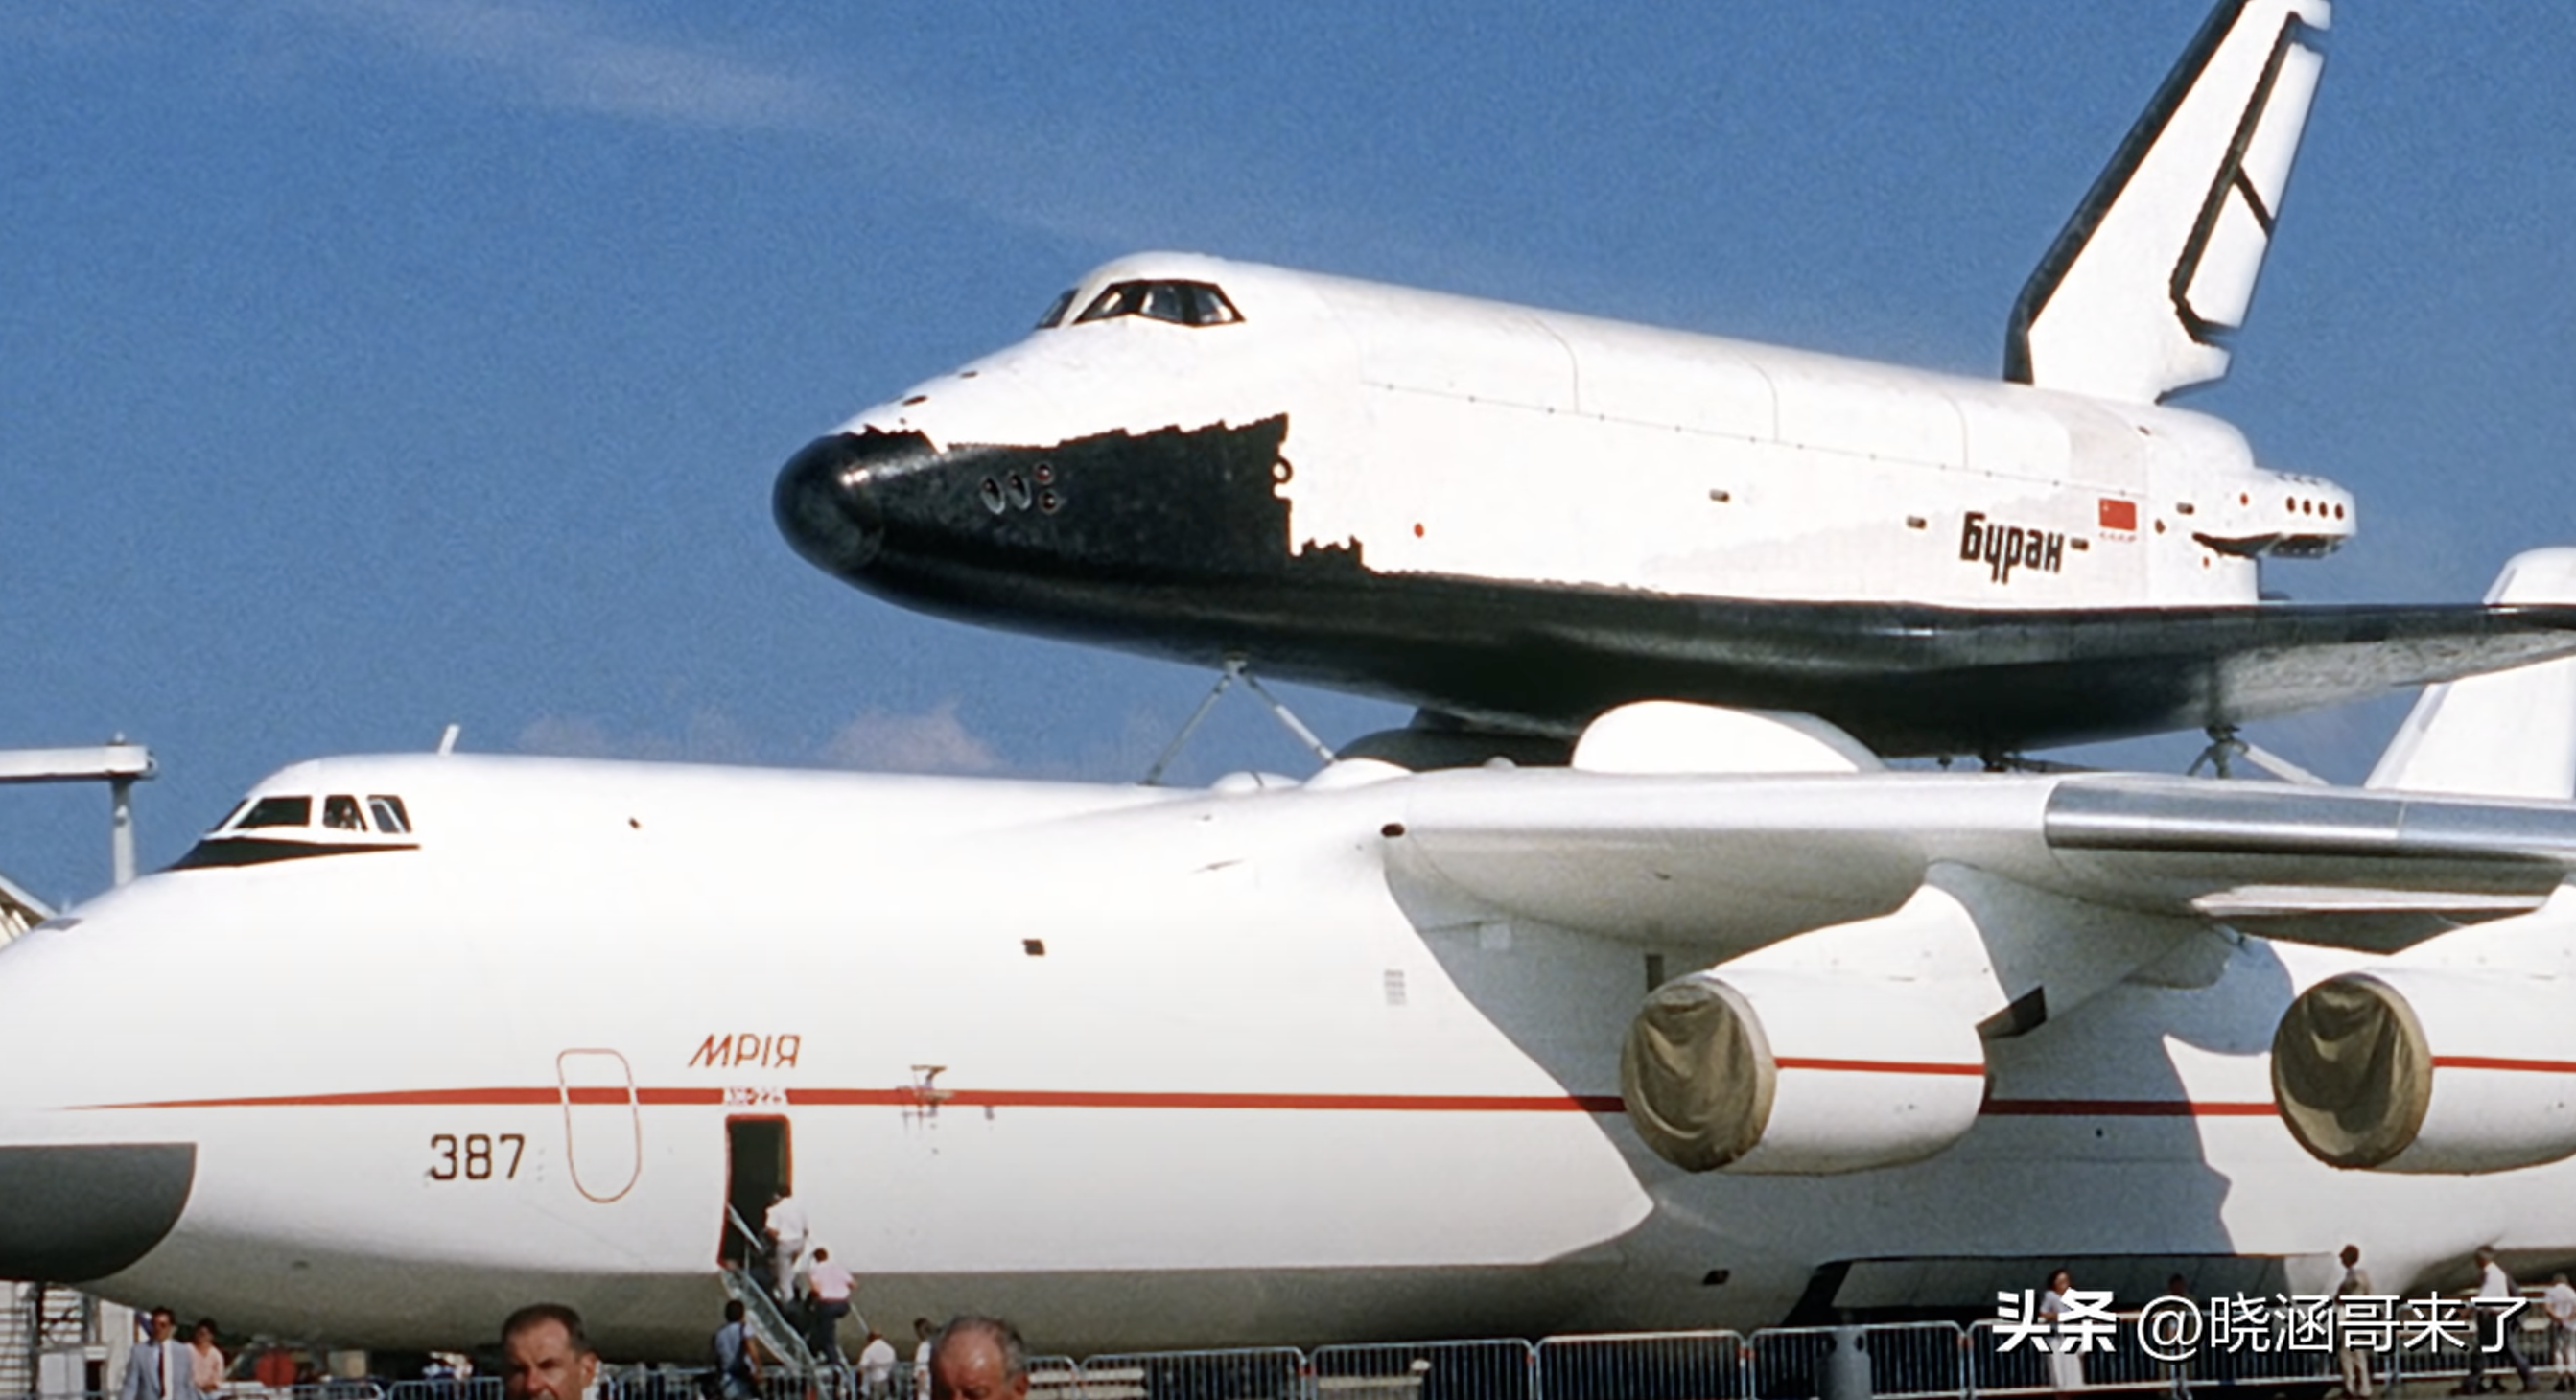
(2499, 1062)
(2121, 1108)
(390, 1098)
(914, 1098)
(1881, 1066)
(908, 1097)
(1343, 1103)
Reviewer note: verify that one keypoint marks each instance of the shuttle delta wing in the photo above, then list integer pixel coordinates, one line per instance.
(2158, 263)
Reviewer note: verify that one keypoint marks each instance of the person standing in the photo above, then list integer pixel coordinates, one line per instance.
(2352, 1363)
(737, 1363)
(161, 1368)
(921, 1334)
(205, 1359)
(2559, 1301)
(2178, 1373)
(876, 1367)
(2494, 1286)
(830, 1285)
(786, 1228)
(2065, 1364)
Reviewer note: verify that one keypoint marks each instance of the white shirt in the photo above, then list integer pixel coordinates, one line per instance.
(2493, 1282)
(831, 1284)
(876, 1360)
(786, 1220)
(2560, 1303)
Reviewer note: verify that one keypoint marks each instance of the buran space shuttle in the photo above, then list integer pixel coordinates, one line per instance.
(1516, 519)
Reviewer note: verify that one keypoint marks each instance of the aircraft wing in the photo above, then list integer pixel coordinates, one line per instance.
(1732, 863)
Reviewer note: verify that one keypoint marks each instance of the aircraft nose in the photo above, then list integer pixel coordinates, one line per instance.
(826, 498)
(83, 1211)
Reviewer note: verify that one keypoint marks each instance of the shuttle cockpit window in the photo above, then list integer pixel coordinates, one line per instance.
(277, 811)
(1181, 303)
(1054, 316)
(391, 817)
(340, 813)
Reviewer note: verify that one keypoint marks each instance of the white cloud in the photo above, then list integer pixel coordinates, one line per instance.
(710, 736)
(1041, 175)
(934, 741)
(566, 736)
(570, 57)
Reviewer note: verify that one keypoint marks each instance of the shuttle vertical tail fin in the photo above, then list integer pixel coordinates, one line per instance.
(2504, 734)
(2158, 263)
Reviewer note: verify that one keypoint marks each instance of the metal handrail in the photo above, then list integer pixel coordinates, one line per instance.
(770, 1324)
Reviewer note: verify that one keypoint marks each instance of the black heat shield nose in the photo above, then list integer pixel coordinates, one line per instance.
(826, 497)
(82, 1211)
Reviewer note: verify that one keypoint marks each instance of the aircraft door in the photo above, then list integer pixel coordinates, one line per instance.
(603, 1133)
(758, 1162)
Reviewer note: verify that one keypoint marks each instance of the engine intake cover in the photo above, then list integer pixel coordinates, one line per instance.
(2428, 1070)
(1760, 1071)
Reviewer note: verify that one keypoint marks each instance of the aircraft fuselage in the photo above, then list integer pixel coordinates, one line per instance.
(1140, 1068)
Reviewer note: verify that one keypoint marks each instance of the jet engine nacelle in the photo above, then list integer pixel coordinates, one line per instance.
(1757, 1071)
(2428, 1070)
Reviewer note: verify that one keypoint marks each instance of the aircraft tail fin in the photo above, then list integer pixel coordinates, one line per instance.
(2504, 734)
(2135, 297)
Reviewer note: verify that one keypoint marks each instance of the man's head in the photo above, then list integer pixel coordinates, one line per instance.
(921, 1328)
(2486, 1255)
(2178, 1286)
(821, 1254)
(978, 1358)
(733, 1310)
(2351, 1255)
(545, 1354)
(164, 1323)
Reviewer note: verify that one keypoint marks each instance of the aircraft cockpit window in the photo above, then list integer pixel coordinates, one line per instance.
(1181, 303)
(277, 811)
(391, 818)
(1054, 316)
(340, 813)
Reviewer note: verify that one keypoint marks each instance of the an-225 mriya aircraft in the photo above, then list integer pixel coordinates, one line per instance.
(1521, 517)
(409, 1040)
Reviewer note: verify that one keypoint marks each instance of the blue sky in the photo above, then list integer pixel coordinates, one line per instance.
(367, 367)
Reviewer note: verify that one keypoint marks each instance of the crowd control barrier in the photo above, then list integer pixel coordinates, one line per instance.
(1880, 1361)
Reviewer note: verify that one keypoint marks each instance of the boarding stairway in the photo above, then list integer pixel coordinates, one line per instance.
(41, 1318)
(18, 1340)
(760, 1308)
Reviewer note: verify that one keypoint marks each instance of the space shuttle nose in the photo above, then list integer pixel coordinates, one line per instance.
(826, 498)
(83, 1211)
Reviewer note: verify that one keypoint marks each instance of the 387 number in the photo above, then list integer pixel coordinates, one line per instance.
(475, 1156)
